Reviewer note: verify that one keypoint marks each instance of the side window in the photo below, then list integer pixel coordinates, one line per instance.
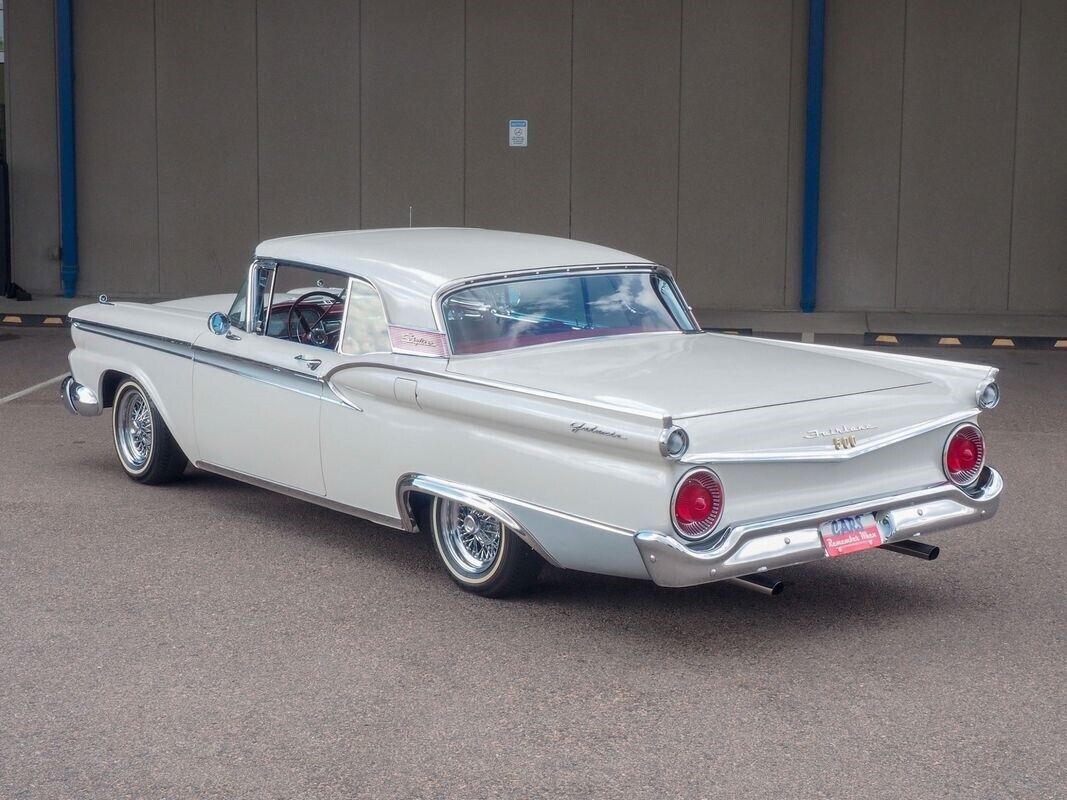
(303, 305)
(239, 307)
(365, 328)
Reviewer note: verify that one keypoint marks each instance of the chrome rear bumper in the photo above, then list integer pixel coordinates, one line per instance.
(771, 544)
(80, 400)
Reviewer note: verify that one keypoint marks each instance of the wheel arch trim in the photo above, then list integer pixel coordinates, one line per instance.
(415, 483)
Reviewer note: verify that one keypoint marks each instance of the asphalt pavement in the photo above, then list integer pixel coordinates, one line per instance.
(213, 640)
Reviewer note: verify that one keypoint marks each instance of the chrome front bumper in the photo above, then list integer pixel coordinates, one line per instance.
(80, 400)
(771, 544)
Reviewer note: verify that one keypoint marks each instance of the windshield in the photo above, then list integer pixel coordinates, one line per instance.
(529, 311)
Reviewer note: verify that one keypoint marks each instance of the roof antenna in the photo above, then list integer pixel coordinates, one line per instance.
(409, 216)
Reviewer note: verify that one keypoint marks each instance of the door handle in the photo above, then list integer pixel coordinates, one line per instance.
(311, 363)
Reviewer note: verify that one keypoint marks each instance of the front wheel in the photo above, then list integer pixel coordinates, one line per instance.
(145, 446)
(480, 553)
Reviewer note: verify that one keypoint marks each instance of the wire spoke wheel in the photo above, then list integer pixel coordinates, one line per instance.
(133, 429)
(471, 538)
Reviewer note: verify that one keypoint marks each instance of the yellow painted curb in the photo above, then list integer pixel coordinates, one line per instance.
(1003, 343)
(887, 339)
(10, 318)
(948, 340)
(53, 321)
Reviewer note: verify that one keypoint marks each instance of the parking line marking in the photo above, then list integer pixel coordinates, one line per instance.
(32, 389)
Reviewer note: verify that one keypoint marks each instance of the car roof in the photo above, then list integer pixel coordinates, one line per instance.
(408, 265)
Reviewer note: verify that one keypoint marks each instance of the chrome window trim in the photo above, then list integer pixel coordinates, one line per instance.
(347, 276)
(446, 289)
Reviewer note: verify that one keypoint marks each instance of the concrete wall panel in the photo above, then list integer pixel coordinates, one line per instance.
(734, 152)
(412, 112)
(115, 98)
(308, 112)
(1039, 234)
(957, 149)
(864, 70)
(624, 189)
(519, 67)
(29, 30)
(206, 100)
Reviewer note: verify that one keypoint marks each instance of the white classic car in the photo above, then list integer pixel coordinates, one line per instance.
(527, 399)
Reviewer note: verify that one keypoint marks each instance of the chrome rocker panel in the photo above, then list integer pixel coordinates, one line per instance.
(772, 544)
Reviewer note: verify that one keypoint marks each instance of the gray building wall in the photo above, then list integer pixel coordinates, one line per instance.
(670, 128)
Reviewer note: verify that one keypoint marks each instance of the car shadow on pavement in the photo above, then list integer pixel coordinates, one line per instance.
(822, 599)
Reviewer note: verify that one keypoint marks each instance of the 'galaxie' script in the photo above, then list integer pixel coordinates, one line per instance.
(581, 427)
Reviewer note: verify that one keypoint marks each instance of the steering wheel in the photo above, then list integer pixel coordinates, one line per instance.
(314, 333)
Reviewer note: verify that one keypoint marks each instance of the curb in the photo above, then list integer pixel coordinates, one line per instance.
(992, 342)
(34, 320)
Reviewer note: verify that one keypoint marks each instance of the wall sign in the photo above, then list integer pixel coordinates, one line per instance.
(517, 135)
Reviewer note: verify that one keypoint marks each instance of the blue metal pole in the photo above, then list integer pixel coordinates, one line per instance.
(68, 199)
(812, 152)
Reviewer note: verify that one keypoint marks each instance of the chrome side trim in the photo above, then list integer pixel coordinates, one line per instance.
(658, 417)
(299, 494)
(303, 383)
(175, 347)
(770, 544)
(562, 539)
(828, 454)
(300, 382)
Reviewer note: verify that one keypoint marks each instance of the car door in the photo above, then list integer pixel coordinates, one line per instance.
(257, 397)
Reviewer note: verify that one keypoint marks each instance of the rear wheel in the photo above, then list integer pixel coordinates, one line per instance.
(480, 553)
(145, 446)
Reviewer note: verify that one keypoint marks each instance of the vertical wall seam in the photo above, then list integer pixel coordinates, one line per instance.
(570, 157)
(900, 160)
(155, 112)
(463, 159)
(259, 166)
(788, 153)
(678, 178)
(1014, 156)
(359, 111)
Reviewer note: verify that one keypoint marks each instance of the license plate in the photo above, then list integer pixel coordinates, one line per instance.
(850, 535)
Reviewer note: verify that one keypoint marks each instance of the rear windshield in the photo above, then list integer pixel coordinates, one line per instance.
(529, 311)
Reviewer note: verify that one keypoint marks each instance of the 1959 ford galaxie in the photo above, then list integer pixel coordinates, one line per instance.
(527, 399)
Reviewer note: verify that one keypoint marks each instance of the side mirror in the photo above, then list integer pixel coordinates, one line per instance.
(218, 323)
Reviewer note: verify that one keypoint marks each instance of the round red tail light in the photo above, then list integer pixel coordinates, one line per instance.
(697, 505)
(964, 454)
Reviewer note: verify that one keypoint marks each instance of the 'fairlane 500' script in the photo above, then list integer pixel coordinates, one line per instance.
(838, 430)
